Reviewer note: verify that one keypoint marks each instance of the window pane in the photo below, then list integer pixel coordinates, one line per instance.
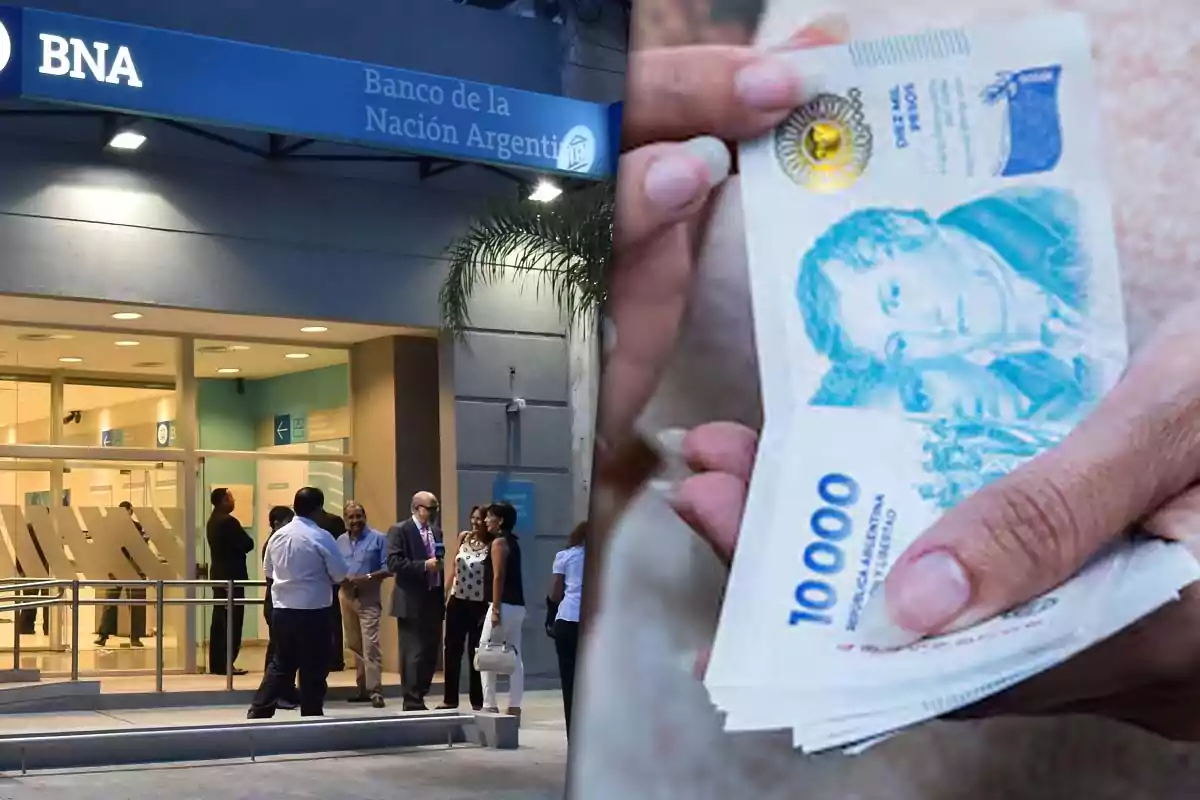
(259, 397)
(117, 416)
(88, 536)
(25, 411)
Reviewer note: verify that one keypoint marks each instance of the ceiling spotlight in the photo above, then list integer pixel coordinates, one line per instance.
(313, 329)
(126, 315)
(127, 140)
(229, 370)
(127, 343)
(70, 360)
(545, 192)
(296, 355)
(238, 348)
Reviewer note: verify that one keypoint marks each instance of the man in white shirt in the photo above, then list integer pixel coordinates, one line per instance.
(303, 563)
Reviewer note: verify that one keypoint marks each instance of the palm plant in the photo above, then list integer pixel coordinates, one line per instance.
(565, 245)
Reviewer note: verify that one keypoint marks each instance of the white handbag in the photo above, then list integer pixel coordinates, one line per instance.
(494, 657)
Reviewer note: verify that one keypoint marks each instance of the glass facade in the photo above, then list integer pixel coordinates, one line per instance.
(110, 445)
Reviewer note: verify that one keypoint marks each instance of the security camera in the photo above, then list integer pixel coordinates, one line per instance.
(73, 416)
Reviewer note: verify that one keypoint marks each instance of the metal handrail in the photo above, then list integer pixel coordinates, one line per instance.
(160, 601)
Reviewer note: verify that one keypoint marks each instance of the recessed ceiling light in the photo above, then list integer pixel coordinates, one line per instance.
(238, 348)
(126, 315)
(127, 343)
(313, 329)
(228, 370)
(70, 359)
(127, 140)
(296, 355)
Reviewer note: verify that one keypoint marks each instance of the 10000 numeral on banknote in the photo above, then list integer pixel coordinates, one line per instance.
(936, 300)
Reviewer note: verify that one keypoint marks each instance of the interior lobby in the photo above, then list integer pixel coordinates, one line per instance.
(104, 404)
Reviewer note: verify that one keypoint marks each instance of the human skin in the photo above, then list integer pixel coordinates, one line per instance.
(1145, 67)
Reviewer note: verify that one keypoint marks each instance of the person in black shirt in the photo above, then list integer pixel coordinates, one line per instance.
(335, 526)
(228, 545)
(505, 593)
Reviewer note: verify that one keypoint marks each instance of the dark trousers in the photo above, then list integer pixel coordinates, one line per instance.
(216, 631)
(29, 615)
(292, 694)
(299, 639)
(566, 644)
(419, 640)
(337, 660)
(137, 614)
(464, 624)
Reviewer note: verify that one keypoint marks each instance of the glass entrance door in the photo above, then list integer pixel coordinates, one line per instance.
(114, 521)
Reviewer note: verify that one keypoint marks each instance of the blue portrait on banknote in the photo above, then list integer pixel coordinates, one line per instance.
(980, 311)
(974, 321)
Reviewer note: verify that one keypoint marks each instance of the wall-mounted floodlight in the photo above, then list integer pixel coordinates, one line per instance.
(127, 139)
(545, 192)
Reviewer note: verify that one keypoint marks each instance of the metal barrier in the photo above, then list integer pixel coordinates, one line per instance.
(160, 603)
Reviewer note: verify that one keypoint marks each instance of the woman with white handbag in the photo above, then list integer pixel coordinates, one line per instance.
(500, 643)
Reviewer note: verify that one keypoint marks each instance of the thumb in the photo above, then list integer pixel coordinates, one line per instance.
(1033, 529)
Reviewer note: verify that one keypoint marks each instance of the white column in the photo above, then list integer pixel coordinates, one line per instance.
(187, 482)
(583, 359)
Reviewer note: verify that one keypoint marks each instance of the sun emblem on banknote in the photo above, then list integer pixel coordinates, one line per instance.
(825, 144)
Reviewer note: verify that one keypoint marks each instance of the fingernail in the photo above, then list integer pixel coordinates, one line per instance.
(674, 180)
(670, 442)
(926, 596)
(769, 84)
(665, 488)
(715, 155)
(608, 334)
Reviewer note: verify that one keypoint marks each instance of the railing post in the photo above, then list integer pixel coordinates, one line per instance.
(17, 637)
(229, 637)
(159, 616)
(75, 629)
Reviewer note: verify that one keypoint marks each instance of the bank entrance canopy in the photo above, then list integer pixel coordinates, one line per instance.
(183, 77)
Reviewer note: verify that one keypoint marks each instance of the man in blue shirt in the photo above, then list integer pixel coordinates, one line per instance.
(365, 551)
(303, 563)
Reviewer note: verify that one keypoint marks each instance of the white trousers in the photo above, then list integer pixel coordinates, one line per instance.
(511, 620)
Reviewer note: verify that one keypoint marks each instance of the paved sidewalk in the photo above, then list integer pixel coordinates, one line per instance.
(533, 772)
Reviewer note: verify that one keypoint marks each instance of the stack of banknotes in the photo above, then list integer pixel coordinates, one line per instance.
(936, 300)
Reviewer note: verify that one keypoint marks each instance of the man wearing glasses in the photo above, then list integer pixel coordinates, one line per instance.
(418, 603)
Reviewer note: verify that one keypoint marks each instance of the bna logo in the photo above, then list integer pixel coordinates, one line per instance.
(5, 47)
(577, 150)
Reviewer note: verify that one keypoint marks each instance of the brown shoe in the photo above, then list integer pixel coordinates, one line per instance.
(515, 712)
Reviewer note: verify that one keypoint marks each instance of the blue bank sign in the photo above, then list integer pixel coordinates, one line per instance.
(158, 73)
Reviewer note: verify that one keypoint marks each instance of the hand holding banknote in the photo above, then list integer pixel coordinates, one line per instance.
(681, 103)
(1133, 459)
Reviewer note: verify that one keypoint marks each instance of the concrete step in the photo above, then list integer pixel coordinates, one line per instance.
(16, 698)
(93, 739)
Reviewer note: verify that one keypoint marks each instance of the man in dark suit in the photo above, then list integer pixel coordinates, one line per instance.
(335, 526)
(228, 545)
(418, 601)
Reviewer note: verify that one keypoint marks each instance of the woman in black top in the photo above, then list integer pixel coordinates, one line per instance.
(506, 597)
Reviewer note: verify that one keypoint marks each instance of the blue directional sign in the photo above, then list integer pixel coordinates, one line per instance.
(165, 434)
(283, 429)
(112, 438)
(299, 428)
(520, 494)
(159, 73)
